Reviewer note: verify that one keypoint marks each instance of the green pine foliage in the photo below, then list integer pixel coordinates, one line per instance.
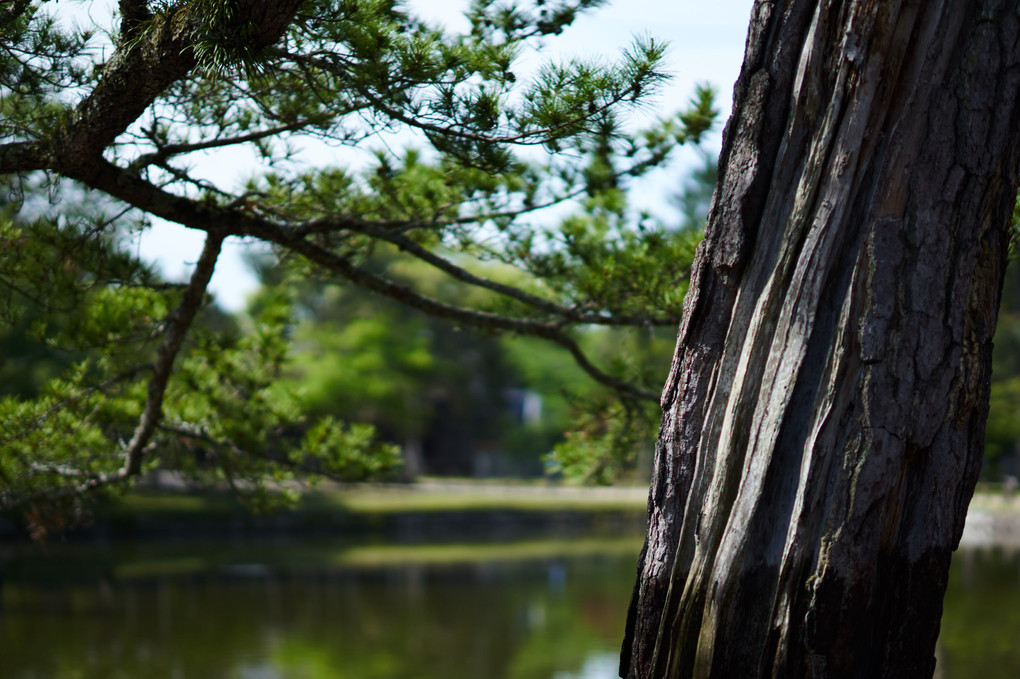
(463, 189)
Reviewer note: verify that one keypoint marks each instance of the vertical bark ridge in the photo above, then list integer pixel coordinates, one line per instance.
(823, 417)
(754, 138)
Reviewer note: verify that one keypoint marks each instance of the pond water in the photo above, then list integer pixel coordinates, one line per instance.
(530, 613)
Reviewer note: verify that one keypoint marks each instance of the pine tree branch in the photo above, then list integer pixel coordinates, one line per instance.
(459, 273)
(138, 72)
(23, 156)
(177, 324)
(13, 11)
(11, 498)
(531, 137)
(132, 189)
(163, 153)
(480, 319)
(63, 403)
(197, 433)
(133, 15)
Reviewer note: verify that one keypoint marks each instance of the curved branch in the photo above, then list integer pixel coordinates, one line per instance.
(480, 319)
(160, 155)
(132, 189)
(22, 156)
(142, 68)
(463, 275)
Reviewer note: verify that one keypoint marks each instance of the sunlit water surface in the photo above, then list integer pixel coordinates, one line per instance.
(76, 613)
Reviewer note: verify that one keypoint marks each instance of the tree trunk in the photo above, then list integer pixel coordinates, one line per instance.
(824, 415)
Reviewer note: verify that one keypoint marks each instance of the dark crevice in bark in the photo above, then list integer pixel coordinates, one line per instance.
(772, 45)
(758, 588)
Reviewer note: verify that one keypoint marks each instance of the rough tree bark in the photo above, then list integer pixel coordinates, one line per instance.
(823, 418)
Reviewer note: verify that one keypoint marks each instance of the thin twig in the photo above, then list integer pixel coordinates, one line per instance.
(160, 155)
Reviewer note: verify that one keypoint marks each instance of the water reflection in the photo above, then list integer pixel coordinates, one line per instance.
(552, 617)
(556, 617)
(980, 635)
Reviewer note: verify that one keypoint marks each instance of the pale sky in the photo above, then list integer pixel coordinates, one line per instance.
(707, 42)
